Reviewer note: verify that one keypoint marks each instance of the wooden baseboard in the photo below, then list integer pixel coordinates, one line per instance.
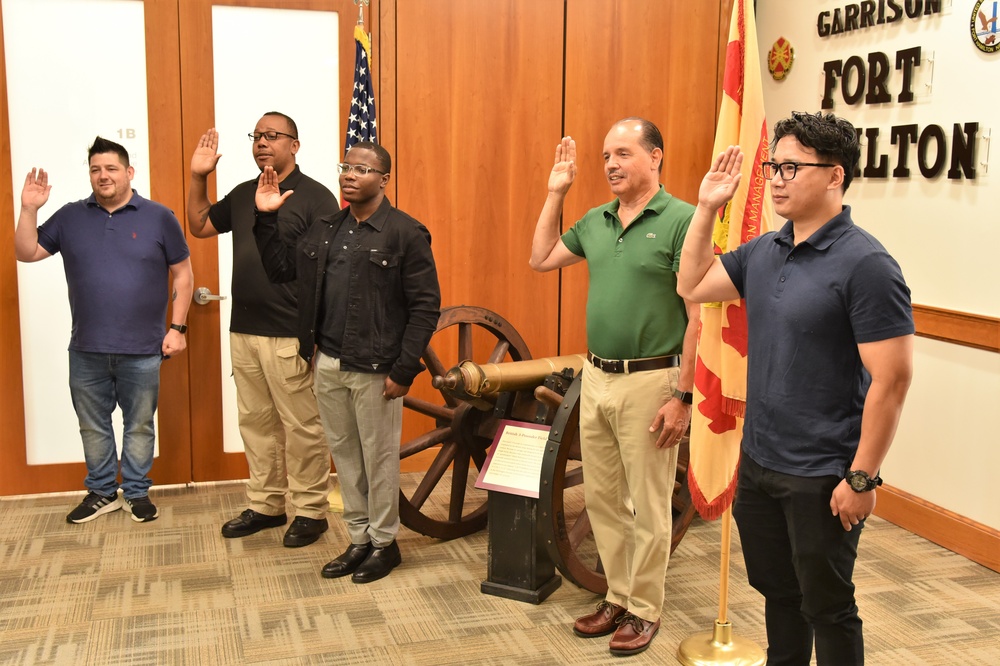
(973, 540)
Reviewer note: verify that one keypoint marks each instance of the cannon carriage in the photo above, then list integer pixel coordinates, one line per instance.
(481, 373)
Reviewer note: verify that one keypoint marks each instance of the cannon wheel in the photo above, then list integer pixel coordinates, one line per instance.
(461, 431)
(566, 530)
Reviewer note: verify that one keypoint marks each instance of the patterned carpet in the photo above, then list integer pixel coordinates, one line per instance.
(113, 592)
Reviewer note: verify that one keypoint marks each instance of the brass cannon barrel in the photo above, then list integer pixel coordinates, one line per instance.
(472, 380)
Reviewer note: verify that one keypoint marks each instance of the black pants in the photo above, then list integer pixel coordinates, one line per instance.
(801, 559)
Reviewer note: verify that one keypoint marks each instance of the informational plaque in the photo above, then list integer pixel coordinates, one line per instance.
(514, 461)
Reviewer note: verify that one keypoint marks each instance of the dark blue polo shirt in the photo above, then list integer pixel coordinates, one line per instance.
(808, 308)
(116, 266)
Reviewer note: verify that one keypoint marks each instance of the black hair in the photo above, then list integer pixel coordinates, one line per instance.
(291, 123)
(102, 145)
(381, 154)
(831, 137)
(649, 135)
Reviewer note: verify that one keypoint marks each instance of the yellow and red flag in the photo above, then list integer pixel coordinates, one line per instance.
(721, 370)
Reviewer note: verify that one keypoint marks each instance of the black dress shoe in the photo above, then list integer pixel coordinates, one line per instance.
(304, 531)
(250, 522)
(348, 561)
(380, 562)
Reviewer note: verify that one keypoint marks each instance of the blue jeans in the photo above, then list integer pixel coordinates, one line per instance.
(801, 559)
(97, 383)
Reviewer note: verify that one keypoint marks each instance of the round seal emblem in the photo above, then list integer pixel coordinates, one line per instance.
(780, 59)
(983, 26)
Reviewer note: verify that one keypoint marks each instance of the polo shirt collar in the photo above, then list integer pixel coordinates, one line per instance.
(134, 203)
(823, 237)
(656, 205)
(291, 181)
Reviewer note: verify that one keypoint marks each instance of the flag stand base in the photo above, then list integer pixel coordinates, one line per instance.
(720, 648)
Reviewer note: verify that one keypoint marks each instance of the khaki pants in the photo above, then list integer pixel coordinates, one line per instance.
(279, 421)
(629, 482)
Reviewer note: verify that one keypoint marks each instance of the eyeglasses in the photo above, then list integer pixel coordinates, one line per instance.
(786, 169)
(356, 169)
(270, 136)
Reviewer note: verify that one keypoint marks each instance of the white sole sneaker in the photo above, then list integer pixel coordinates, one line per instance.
(113, 505)
(139, 519)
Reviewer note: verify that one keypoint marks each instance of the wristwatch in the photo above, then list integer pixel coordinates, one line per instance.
(181, 328)
(684, 396)
(860, 482)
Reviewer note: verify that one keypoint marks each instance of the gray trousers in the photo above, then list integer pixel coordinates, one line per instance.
(363, 430)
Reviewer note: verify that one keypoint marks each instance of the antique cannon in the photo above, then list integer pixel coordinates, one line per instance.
(493, 378)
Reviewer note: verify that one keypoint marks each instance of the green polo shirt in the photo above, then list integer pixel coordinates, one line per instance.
(633, 310)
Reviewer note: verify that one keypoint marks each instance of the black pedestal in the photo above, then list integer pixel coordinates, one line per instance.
(517, 565)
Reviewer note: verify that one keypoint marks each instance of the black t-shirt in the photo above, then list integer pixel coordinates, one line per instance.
(259, 306)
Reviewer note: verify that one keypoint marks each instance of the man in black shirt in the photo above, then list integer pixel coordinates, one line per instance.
(279, 422)
(369, 300)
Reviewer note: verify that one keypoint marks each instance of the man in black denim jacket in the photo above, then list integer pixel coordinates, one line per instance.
(369, 301)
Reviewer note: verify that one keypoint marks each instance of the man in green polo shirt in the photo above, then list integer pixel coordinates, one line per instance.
(636, 403)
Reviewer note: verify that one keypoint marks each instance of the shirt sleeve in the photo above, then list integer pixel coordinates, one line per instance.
(680, 232)
(48, 236)
(175, 247)
(878, 300)
(735, 264)
(221, 214)
(571, 239)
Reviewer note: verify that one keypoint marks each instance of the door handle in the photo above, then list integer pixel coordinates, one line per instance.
(204, 295)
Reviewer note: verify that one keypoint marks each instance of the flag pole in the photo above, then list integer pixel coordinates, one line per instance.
(719, 647)
(361, 11)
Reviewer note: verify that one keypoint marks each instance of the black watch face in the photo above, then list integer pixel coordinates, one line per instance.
(858, 482)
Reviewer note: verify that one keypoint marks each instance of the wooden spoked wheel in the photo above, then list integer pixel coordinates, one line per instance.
(445, 503)
(566, 530)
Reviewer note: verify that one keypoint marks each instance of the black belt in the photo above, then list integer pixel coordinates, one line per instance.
(634, 365)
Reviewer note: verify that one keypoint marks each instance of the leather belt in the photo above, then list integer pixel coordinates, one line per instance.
(634, 365)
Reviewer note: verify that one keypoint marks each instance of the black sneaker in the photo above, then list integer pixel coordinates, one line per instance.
(94, 505)
(142, 509)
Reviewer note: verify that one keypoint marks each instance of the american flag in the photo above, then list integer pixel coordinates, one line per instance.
(361, 121)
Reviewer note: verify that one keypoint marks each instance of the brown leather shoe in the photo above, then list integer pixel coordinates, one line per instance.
(599, 623)
(633, 635)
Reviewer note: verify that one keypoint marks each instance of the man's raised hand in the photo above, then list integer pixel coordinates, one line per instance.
(36, 189)
(205, 157)
(564, 169)
(269, 197)
(721, 181)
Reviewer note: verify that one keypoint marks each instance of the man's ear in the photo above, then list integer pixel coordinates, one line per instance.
(836, 178)
(657, 155)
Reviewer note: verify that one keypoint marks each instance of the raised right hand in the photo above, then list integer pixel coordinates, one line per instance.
(269, 197)
(205, 156)
(36, 189)
(564, 170)
(721, 181)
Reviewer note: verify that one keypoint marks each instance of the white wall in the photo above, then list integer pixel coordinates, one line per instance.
(947, 450)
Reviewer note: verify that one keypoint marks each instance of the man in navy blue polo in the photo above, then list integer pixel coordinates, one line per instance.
(830, 359)
(118, 250)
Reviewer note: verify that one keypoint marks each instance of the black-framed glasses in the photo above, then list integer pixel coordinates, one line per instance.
(356, 169)
(786, 169)
(270, 136)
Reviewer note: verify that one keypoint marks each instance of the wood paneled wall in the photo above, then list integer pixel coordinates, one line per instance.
(651, 58)
(483, 92)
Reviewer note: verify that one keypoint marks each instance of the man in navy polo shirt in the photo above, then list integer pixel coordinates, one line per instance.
(829, 364)
(118, 249)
